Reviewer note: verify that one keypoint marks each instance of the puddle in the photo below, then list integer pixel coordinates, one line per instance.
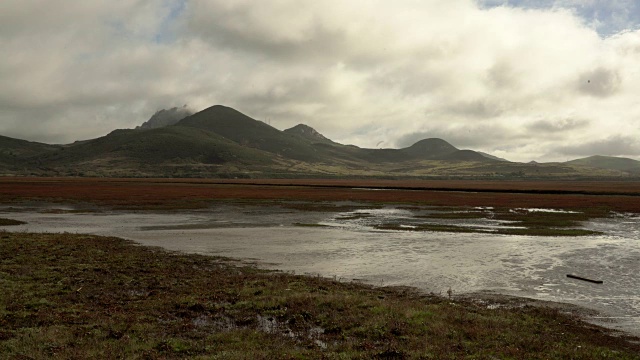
(349, 247)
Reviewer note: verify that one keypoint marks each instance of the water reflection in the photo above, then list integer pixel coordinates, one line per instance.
(349, 247)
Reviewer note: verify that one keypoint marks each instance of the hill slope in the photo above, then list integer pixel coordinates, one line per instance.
(309, 133)
(14, 151)
(251, 133)
(608, 162)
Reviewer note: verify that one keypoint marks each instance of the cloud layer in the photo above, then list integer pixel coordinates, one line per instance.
(518, 81)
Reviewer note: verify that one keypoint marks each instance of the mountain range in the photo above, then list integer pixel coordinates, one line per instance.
(222, 142)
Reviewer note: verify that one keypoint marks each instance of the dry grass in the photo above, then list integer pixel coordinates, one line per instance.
(171, 194)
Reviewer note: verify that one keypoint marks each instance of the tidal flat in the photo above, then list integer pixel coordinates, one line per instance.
(348, 241)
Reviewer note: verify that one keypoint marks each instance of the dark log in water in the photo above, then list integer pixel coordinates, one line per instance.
(584, 279)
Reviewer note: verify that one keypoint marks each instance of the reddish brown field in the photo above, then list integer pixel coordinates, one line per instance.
(186, 193)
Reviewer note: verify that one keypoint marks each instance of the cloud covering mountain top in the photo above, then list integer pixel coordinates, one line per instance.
(512, 78)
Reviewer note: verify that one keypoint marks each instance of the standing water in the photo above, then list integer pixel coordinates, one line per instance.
(347, 245)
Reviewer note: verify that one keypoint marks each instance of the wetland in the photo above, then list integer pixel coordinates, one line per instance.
(473, 257)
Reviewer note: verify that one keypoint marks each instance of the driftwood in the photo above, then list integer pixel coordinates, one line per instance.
(584, 279)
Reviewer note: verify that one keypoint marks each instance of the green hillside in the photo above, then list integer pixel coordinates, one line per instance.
(251, 133)
(16, 148)
(14, 151)
(159, 145)
(608, 162)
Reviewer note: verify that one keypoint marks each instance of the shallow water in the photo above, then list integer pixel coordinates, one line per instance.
(349, 247)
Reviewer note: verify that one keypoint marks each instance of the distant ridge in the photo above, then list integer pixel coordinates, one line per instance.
(608, 162)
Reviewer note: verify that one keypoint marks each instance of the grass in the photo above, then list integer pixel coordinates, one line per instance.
(530, 222)
(500, 231)
(10, 222)
(547, 219)
(97, 297)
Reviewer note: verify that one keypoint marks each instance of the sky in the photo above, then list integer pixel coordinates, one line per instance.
(543, 80)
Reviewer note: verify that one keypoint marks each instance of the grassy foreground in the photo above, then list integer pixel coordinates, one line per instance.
(81, 296)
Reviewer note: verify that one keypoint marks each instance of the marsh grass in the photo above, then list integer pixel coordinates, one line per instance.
(79, 297)
(10, 222)
(530, 222)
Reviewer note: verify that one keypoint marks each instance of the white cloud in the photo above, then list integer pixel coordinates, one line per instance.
(506, 80)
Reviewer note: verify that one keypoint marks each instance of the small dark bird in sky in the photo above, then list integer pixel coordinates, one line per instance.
(589, 81)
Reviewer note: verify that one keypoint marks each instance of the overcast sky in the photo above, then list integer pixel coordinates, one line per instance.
(525, 80)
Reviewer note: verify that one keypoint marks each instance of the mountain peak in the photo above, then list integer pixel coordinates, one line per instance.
(166, 117)
(431, 147)
(308, 133)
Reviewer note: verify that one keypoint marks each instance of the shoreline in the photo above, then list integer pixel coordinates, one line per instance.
(269, 265)
(147, 301)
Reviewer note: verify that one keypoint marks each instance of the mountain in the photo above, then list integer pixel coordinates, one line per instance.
(165, 117)
(222, 142)
(251, 133)
(432, 148)
(608, 162)
(308, 133)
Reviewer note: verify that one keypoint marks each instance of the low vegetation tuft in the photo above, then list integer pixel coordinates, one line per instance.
(10, 222)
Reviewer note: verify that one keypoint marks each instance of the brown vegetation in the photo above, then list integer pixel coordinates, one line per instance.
(188, 193)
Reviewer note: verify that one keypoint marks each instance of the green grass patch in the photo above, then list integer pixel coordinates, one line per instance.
(10, 222)
(78, 296)
(534, 223)
(545, 219)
